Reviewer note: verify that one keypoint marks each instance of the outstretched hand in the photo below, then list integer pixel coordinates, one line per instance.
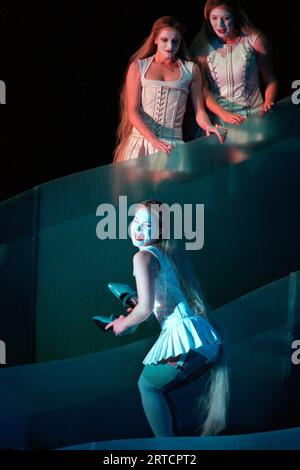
(265, 108)
(232, 118)
(221, 132)
(117, 325)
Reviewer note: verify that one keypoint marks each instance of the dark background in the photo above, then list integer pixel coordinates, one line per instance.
(63, 64)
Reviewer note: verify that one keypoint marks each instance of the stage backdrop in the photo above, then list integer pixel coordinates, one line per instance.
(54, 270)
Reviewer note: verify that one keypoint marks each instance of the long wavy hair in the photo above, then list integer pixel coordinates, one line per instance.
(147, 49)
(212, 406)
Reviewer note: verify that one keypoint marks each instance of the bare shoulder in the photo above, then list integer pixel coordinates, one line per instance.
(262, 45)
(133, 71)
(133, 76)
(201, 62)
(197, 74)
(145, 259)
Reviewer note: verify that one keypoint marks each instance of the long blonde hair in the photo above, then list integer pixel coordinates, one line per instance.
(147, 49)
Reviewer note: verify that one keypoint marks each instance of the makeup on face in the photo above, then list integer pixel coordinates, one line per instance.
(168, 42)
(143, 228)
(222, 22)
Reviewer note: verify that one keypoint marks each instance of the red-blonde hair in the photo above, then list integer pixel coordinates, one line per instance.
(147, 49)
(240, 18)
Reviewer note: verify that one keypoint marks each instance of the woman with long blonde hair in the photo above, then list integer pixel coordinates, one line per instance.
(153, 99)
(188, 343)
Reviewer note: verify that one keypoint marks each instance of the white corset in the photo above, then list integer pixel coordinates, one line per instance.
(163, 105)
(233, 75)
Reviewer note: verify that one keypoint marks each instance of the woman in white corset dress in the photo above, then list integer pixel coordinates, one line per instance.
(153, 99)
(188, 345)
(233, 55)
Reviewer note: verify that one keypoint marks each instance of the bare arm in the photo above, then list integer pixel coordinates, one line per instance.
(146, 267)
(197, 99)
(263, 51)
(133, 91)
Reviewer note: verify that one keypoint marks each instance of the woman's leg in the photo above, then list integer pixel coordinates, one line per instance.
(152, 384)
(155, 380)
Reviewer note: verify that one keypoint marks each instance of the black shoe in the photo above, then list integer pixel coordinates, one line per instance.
(101, 321)
(126, 294)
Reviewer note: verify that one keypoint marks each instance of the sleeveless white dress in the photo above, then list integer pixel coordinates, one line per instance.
(163, 105)
(233, 74)
(181, 328)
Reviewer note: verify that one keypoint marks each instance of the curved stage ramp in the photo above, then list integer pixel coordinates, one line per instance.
(287, 439)
(54, 270)
(95, 397)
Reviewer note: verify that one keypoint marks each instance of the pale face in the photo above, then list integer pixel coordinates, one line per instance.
(143, 228)
(222, 22)
(168, 42)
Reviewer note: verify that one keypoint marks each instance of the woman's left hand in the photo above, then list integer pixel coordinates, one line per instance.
(220, 131)
(265, 108)
(117, 325)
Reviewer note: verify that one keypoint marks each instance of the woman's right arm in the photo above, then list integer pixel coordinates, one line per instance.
(263, 53)
(146, 267)
(133, 91)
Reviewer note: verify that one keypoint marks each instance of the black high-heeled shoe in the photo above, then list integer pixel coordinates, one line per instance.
(126, 294)
(101, 321)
